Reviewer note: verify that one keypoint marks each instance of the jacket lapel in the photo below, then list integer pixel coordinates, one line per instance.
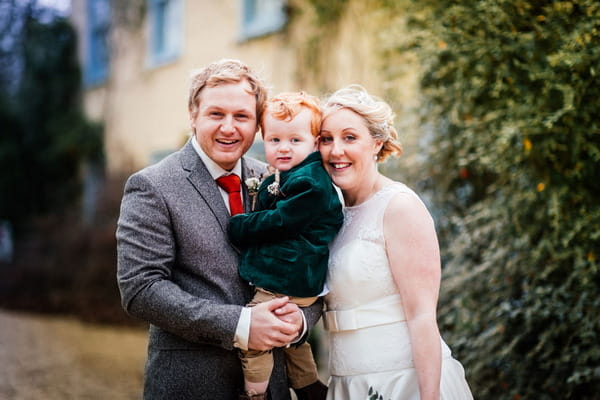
(250, 169)
(246, 173)
(204, 184)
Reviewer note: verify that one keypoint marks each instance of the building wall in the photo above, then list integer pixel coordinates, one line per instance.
(145, 109)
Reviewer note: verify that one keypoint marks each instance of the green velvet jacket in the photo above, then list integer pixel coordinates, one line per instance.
(284, 245)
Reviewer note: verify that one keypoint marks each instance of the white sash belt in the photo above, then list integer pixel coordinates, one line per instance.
(381, 312)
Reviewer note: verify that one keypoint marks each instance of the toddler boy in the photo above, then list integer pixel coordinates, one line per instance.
(284, 244)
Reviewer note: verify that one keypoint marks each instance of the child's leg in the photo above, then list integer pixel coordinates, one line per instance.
(257, 367)
(301, 366)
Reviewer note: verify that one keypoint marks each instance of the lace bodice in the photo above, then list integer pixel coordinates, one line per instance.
(359, 276)
(358, 266)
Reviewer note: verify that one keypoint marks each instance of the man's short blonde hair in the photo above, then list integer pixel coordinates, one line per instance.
(223, 72)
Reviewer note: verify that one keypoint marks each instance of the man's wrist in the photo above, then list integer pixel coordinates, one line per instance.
(303, 330)
(242, 331)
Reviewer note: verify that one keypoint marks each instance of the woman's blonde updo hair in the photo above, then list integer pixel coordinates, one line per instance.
(376, 113)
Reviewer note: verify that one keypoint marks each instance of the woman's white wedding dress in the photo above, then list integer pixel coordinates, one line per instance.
(369, 345)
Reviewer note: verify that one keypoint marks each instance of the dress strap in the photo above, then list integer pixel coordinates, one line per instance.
(384, 311)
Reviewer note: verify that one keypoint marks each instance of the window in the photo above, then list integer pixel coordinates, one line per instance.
(165, 21)
(260, 17)
(97, 55)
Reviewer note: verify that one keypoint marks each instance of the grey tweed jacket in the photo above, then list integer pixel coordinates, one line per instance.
(178, 271)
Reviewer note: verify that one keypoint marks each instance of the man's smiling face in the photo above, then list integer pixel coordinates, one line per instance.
(225, 125)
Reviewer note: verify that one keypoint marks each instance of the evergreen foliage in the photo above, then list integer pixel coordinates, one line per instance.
(45, 136)
(510, 106)
(512, 100)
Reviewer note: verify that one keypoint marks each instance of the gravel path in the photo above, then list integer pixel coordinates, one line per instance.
(57, 358)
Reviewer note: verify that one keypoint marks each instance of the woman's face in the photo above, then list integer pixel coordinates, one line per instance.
(348, 150)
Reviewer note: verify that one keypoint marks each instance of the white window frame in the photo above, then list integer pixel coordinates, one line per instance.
(261, 17)
(165, 32)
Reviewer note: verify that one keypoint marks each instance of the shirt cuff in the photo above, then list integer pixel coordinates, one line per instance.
(242, 332)
(304, 329)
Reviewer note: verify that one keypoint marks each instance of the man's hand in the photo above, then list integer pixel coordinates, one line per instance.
(274, 323)
(291, 313)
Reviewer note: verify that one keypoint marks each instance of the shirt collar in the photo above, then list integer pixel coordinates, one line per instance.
(215, 169)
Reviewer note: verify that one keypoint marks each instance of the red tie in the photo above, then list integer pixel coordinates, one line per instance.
(231, 184)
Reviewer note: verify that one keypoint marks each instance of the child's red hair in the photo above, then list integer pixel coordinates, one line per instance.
(285, 107)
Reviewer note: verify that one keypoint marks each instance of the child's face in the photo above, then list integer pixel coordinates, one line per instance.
(287, 143)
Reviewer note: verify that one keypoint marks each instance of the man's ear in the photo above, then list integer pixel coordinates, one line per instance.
(193, 119)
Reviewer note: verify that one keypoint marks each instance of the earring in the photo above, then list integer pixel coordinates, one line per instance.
(375, 157)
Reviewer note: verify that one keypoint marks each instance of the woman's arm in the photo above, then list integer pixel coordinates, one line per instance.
(414, 257)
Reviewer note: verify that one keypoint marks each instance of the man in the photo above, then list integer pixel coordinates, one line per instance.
(176, 267)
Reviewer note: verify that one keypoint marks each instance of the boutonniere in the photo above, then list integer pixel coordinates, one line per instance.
(273, 188)
(253, 183)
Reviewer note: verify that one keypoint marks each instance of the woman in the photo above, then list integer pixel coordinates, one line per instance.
(384, 267)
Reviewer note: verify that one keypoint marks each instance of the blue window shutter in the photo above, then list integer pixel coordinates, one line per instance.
(97, 58)
(158, 33)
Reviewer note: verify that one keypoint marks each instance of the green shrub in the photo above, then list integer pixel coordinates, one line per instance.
(511, 106)
(511, 142)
